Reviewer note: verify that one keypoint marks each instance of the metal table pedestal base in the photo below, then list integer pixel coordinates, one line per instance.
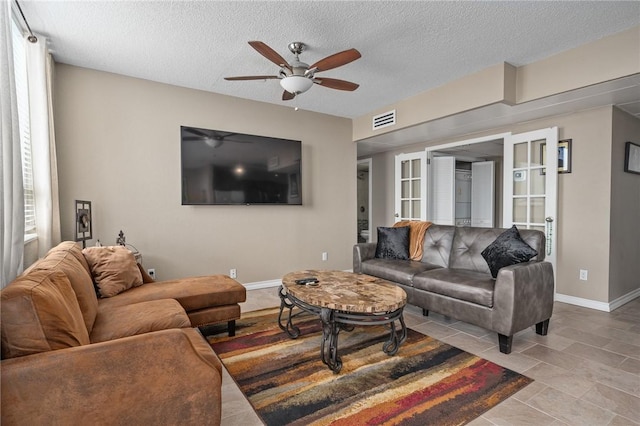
(334, 320)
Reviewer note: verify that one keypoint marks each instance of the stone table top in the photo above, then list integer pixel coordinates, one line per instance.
(346, 291)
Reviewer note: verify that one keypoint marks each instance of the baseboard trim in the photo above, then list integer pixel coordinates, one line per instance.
(271, 283)
(262, 284)
(594, 304)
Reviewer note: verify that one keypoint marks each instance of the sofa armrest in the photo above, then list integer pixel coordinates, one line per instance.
(523, 296)
(165, 377)
(362, 252)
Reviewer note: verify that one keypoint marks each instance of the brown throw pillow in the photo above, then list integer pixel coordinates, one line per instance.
(113, 269)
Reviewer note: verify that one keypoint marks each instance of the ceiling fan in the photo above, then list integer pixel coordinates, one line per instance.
(211, 137)
(297, 77)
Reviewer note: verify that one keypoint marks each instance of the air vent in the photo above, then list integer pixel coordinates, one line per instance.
(384, 119)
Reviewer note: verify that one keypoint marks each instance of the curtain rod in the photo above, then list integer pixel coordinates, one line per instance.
(32, 38)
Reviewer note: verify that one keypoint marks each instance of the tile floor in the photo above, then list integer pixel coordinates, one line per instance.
(586, 370)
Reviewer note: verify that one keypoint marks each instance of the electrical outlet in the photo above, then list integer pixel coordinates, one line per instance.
(325, 256)
(233, 273)
(152, 273)
(584, 274)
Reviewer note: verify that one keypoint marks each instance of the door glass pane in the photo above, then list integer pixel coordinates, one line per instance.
(520, 183)
(415, 184)
(538, 152)
(405, 169)
(404, 189)
(538, 181)
(416, 168)
(537, 209)
(415, 214)
(404, 211)
(538, 228)
(519, 209)
(520, 155)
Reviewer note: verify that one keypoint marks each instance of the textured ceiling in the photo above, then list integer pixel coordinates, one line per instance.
(407, 47)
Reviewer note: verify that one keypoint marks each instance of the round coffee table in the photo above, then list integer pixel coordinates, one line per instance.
(343, 300)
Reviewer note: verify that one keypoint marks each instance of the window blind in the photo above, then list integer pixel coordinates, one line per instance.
(22, 93)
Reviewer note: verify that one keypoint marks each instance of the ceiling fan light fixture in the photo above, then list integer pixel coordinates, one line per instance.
(296, 84)
(213, 143)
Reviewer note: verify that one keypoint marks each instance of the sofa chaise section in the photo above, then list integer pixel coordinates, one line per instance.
(69, 356)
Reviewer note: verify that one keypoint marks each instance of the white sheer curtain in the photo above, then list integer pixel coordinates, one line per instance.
(12, 208)
(43, 151)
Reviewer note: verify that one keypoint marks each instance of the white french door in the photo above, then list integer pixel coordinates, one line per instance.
(410, 187)
(530, 184)
(442, 190)
(482, 194)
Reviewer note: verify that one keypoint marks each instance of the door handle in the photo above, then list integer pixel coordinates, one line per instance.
(549, 234)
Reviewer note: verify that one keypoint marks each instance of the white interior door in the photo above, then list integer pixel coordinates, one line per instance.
(530, 184)
(443, 191)
(410, 187)
(482, 193)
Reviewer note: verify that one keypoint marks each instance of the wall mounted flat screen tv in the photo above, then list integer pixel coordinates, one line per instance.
(225, 168)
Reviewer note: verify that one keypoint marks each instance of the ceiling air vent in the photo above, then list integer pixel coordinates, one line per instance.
(385, 119)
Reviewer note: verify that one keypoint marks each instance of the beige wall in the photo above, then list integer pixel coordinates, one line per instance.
(624, 273)
(118, 145)
(609, 58)
(584, 197)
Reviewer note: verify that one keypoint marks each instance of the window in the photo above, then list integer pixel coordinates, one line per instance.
(20, 70)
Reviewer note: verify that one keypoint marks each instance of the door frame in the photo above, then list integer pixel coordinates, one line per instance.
(369, 163)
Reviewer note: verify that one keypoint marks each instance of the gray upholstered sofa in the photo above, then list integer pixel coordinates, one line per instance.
(453, 279)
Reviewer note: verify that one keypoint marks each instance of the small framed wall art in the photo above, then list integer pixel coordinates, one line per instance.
(564, 155)
(632, 158)
(84, 226)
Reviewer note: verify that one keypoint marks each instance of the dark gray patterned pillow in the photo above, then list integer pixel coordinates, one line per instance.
(508, 249)
(393, 243)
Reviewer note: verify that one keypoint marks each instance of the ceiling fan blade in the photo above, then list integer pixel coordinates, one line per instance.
(253, 77)
(195, 131)
(286, 96)
(336, 60)
(334, 83)
(270, 54)
(194, 138)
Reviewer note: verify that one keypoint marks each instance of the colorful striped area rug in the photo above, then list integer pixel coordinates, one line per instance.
(427, 383)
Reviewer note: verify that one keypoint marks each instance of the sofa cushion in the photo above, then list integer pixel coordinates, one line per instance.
(113, 268)
(508, 249)
(470, 286)
(393, 243)
(193, 293)
(40, 313)
(466, 250)
(437, 245)
(138, 318)
(398, 271)
(67, 257)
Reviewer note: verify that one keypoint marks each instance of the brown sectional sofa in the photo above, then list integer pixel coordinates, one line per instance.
(453, 279)
(70, 357)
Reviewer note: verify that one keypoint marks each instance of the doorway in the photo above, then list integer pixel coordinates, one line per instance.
(526, 192)
(466, 183)
(363, 175)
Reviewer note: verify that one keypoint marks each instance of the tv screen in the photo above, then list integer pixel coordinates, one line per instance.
(221, 167)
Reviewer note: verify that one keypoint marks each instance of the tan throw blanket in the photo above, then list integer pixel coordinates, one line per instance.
(417, 228)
